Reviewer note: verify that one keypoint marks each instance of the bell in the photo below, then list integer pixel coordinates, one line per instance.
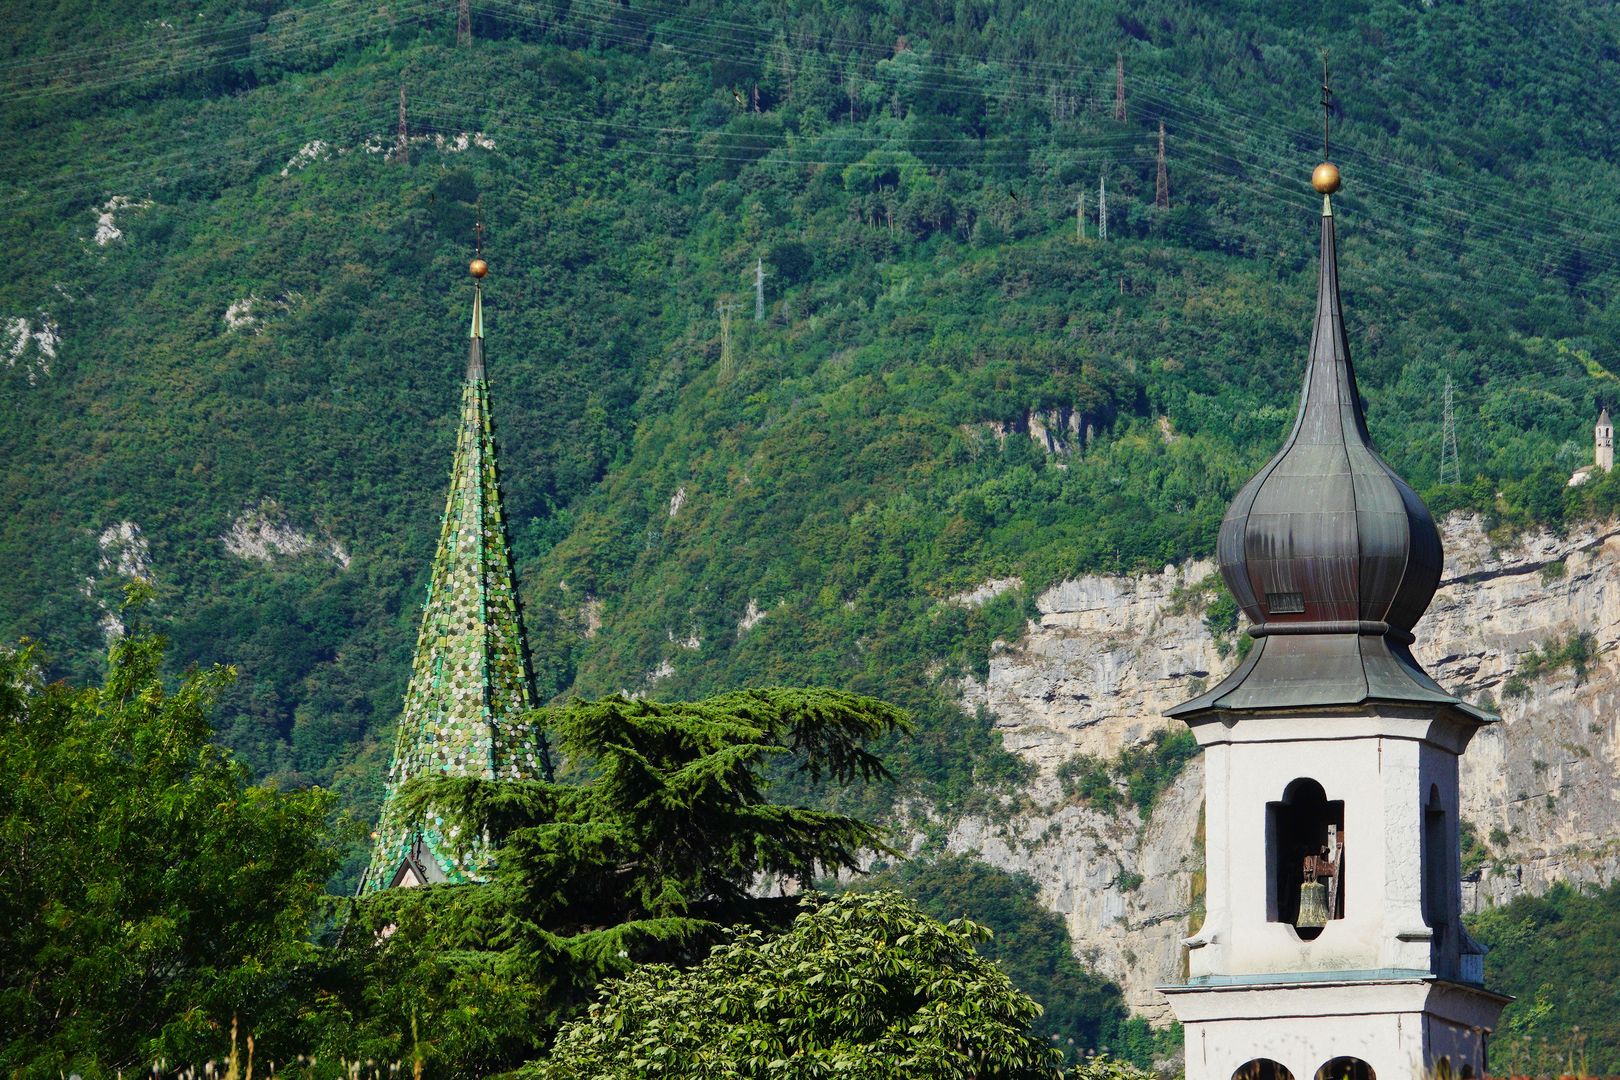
(1313, 911)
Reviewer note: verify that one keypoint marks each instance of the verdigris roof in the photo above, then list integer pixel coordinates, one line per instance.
(1331, 555)
(471, 687)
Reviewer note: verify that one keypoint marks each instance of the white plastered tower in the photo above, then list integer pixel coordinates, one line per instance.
(1333, 945)
(1604, 436)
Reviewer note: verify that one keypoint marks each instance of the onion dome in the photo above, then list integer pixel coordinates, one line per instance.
(1331, 555)
(1327, 538)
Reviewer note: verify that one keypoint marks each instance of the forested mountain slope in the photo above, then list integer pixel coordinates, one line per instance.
(233, 317)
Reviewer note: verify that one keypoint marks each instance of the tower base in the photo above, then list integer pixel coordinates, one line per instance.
(1400, 1025)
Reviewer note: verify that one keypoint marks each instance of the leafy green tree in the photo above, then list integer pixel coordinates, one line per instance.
(864, 985)
(655, 847)
(1081, 1011)
(148, 892)
(1560, 1023)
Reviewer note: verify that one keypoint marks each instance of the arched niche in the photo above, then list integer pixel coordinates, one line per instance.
(1262, 1069)
(1346, 1068)
(1438, 858)
(1304, 836)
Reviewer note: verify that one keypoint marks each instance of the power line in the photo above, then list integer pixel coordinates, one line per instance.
(970, 83)
(582, 10)
(1284, 193)
(1283, 186)
(149, 63)
(1515, 229)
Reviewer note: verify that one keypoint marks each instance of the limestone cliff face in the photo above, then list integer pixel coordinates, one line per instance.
(1109, 654)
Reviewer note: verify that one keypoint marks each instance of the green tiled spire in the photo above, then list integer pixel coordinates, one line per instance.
(470, 681)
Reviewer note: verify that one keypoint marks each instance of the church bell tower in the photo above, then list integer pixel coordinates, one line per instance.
(1333, 946)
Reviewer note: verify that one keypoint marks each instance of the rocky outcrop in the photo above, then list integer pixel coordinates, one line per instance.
(30, 344)
(1109, 654)
(262, 533)
(1059, 431)
(1542, 788)
(124, 556)
(1096, 673)
(107, 230)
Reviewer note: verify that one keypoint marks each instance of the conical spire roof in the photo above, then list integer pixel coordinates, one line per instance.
(471, 687)
(1331, 555)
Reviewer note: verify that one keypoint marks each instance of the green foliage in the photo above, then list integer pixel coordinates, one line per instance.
(1081, 1013)
(1576, 654)
(1474, 852)
(149, 892)
(862, 985)
(1143, 770)
(924, 291)
(868, 452)
(1561, 1024)
(1087, 777)
(648, 853)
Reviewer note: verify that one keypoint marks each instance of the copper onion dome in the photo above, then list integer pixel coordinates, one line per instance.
(1330, 554)
(1327, 538)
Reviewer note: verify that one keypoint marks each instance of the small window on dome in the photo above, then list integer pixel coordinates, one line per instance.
(1285, 603)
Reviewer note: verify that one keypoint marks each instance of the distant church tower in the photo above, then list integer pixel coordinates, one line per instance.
(470, 681)
(1604, 433)
(1333, 946)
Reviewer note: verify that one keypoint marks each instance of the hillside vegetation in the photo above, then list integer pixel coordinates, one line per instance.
(1563, 1023)
(248, 392)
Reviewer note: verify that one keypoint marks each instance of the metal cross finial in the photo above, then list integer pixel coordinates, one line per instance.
(1327, 105)
(478, 237)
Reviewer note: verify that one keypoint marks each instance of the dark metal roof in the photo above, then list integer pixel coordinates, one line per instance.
(421, 861)
(1330, 554)
(1320, 670)
(1327, 533)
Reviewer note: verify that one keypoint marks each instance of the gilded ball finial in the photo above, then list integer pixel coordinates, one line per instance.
(478, 268)
(1325, 178)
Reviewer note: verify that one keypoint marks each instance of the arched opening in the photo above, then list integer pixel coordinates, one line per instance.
(1305, 848)
(1467, 1072)
(1262, 1069)
(1346, 1068)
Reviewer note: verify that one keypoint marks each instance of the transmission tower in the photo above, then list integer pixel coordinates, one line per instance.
(1450, 466)
(1119, 87)
(1102, 207)
(725, 311)
(1161, 192)
(759, 290)
(402, 141)
(1080, 215)
(464, 23)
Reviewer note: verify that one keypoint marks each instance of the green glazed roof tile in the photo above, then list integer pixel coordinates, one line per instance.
(470, 680)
